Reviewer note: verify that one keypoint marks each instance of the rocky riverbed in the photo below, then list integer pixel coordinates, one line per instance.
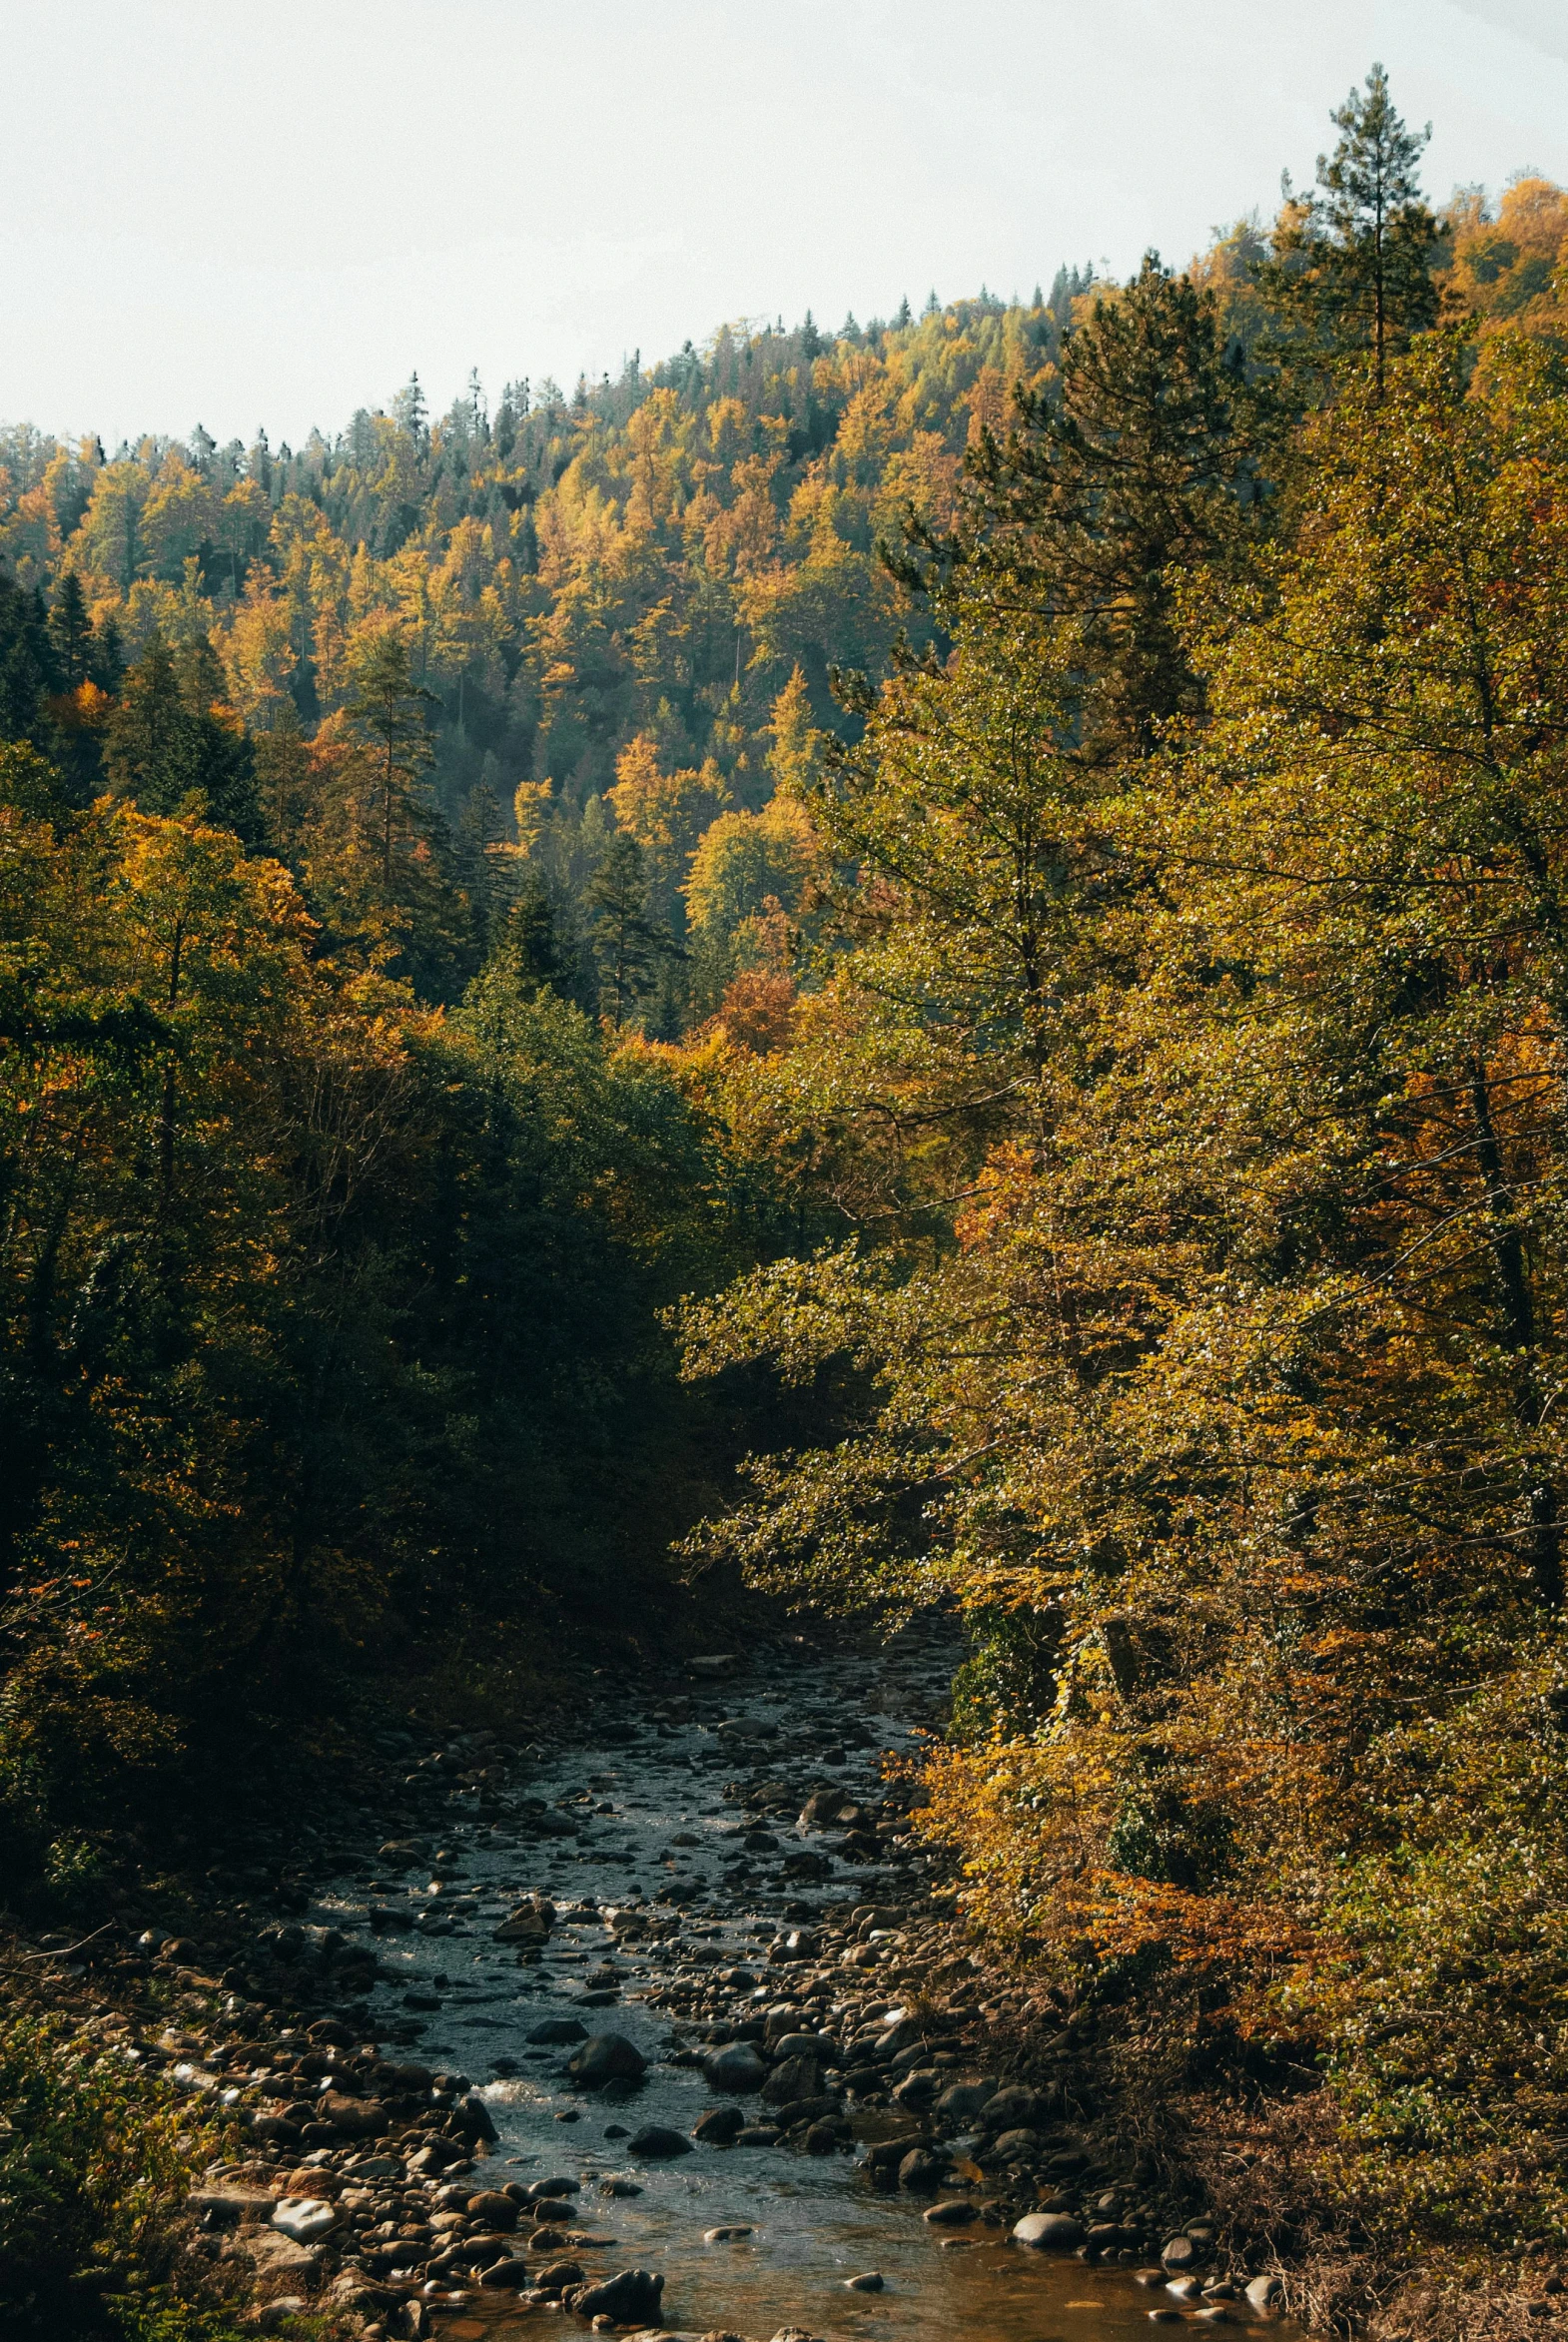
(662, 2030)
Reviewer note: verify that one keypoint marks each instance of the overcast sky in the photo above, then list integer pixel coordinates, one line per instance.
(236, 216)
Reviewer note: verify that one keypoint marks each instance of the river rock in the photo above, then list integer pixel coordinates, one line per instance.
(1265, 2293)
(352, 2118)
(921, 2171)
(1012, 2108)
(656, 2143)
(869, 2281)
(1049, 2231)
(736, 2066)
(794, 2078)
(1016, 2146)
(962, 2101)
(555, 2276)
(529, 1923)
(493, 2209)
(606, 2058)
(631, 2298)
(805, 2045)
(556, 2030)
(305, 2219)
(1183, 2252)
(509, 2274)
(719, 2127)
(956, 2212)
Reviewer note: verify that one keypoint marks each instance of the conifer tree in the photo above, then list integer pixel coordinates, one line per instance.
(628, 944)
(391, 710)
(1139, 467)
(70, 631)
(1352, 268)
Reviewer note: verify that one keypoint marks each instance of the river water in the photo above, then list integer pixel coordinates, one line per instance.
(655, 1823)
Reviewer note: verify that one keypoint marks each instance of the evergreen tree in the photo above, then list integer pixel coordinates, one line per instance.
(1135, 467)
(391, 710)
(1352, 268)
(29, 671)
(70, 631)
(170, 751)
(627, 945)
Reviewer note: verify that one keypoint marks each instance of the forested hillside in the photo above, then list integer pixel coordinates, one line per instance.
(974, 907)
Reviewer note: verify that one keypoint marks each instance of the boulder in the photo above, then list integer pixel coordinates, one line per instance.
(529, 1923)
(606, 2058)
(1049, 2231)
(305, 2219)
(631, 2298)
(795, 2078)
(921, 2171)
(656, 2143)
(962, 2101)
(556, 2030)
(736, 2066)
(719, 2127)
(1012, 2109)
(352, 2118)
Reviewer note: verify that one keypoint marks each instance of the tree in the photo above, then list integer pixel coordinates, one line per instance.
(1139, 467)
(390, 709)
(170, 745)
(627, 945)
(70, 631)
(1351, 270)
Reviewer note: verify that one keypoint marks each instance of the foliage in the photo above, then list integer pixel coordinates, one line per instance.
(1189, 1086)
(94, 2159)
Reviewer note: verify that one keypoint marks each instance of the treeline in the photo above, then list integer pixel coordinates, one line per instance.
(1191, 1086)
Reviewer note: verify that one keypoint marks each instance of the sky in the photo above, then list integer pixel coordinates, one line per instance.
(245, 217)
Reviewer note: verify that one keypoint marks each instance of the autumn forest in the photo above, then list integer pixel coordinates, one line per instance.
(915, 967)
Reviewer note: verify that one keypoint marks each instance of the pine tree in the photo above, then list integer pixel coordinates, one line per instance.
(1351, 267)
(71, 630)
(627, 945)
(391, 710)
(1138, 465)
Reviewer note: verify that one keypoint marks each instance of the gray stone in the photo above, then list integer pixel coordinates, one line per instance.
(656, 2143)
(556, 2030)
(1015, 2146)
(921, 2171)
(963, 2101)
(805, 2045)
(1265, 2293)
(305, 2219)
(737, 2067)
(718, 2128)
(1047, 2231)
(606, 2058)
(1012, 2108)
(1183, 2252)
(795, 2078)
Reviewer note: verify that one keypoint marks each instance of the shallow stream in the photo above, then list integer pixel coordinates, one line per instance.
(656, 1821)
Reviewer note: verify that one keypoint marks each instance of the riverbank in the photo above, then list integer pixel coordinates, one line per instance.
(677, 1993)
